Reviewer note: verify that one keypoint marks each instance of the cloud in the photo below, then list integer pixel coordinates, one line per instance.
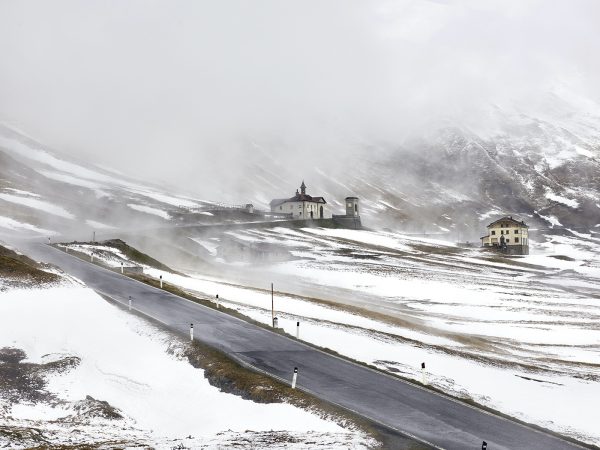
(184, 85)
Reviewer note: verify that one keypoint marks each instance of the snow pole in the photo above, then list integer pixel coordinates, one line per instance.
(191, 331)
(130, 303)
(297, 330)
(217, 297)
(121, 267)
(92, 257)
(295, 378)
(423, 373)
(161, 281)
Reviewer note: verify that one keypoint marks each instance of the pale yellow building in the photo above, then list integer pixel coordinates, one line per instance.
(507, 235)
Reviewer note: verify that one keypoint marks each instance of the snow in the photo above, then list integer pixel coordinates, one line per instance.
(563, 200)
(130, 368)
(75, 181)
(168, 199)
(40, 205)
(99, 225)
(149, 210)
(210, 245)
(365, 237)
(22, 193)
(552, 220)
(11, 224)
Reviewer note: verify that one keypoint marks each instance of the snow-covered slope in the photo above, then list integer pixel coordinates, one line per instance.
(110, 378)
(42, 193)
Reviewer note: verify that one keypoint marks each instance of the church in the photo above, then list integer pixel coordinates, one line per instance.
(302, 206)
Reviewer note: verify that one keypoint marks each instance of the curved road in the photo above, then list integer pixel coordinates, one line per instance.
(431, 418)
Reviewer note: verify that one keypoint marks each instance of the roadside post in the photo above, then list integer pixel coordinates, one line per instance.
(121, 266)
(130, 303)
(272, 307)
(484, 445)
(297, 330)
(217, 297)
(160, 281)
(191, 331)
(295, 378)
(275, 322)
(423, 372)
(92, 257)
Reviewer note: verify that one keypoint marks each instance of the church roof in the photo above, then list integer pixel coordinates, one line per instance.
(297, 198)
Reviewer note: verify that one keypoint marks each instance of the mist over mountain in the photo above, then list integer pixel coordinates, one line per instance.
(438, 114)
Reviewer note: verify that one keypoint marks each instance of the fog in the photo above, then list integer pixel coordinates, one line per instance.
(182, 91)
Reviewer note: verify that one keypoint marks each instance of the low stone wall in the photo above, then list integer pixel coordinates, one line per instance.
(350, 222)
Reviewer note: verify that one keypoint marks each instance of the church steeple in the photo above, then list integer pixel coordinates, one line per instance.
(303, 188)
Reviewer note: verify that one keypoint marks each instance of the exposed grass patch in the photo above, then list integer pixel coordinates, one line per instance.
(20, 270)
(135, 255)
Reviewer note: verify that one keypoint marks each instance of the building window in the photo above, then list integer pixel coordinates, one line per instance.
(493, 231)
(508, 241)
(516, 231)
(517, 240)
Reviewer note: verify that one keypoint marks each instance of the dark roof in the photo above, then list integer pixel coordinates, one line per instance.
(351, 198)
(483, 237)
(297, 198)
(508, 219)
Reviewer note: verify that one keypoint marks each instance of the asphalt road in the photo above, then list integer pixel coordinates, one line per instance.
(429, 417)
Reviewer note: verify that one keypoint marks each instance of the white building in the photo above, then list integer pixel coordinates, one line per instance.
(302, 206)
(509, 235)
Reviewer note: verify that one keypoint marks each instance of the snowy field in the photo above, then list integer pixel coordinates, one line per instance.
(90, 352)
(520, 335)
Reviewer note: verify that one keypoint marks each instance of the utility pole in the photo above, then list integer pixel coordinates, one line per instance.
(93, 236)
(272, 307)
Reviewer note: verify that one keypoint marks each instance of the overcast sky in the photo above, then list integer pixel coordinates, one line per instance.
(124, 82)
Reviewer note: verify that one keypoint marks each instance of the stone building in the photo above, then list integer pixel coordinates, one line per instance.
(507, 235)
(352, 217)
(302, 206)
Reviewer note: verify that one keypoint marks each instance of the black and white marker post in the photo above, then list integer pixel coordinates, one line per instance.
(92, 257)
(423, 372)
(297, 330)
(272, 307)
(217, 298)
(295, 378)
(484, 446)
(191, 331)
(121, 267)
(130, 303)
(160, 281)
